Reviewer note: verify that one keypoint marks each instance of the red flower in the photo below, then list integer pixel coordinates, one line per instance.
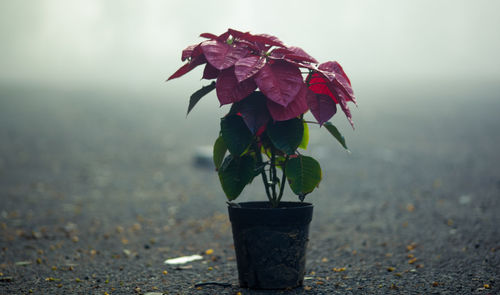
(330, 81)
(240, 62)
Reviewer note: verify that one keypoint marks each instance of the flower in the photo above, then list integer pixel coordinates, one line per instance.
(241, 62)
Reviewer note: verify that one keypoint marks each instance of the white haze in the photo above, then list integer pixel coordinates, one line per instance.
(137, 44)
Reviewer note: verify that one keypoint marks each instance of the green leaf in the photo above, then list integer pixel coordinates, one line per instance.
(305, 137)
(236, 134)
(286, 135)
(220, 150)
(195, 97)
(335, 132)
(235, 174)
(303, 173)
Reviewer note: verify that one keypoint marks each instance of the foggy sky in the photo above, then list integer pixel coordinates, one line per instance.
(138, 43)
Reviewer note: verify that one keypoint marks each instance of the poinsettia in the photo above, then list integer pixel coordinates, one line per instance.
(262, 79)
(265, 62)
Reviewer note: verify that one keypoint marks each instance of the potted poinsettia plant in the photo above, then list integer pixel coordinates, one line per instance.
(269, 86)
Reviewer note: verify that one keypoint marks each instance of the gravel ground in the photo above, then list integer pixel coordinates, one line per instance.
(97, 189)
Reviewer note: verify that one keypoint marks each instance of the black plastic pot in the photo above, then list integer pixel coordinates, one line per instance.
(270, 243)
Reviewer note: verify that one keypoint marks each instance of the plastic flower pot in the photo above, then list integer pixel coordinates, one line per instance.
(270, 243)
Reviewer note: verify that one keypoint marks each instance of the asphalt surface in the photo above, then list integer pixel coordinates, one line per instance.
(99, 188)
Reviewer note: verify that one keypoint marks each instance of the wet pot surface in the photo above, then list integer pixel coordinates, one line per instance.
(270, 243)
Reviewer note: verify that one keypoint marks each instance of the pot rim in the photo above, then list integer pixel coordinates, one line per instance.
(252, 213)
(266, 205)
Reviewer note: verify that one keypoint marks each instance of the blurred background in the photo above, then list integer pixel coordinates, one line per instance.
(82, 87)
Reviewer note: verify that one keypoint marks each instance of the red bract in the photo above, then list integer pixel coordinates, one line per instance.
(279, 53)
(248, 66)
(294, 109)
(222, 55)
(347, 112)
(279, 81)
(322, 107)
(199, 60)
(241, 62)
(260, 39)
(208, 36)
(210, 72)
(298, 54)
(191, 51)
(334, 72)
(321, 85)
(229, 90)
(265, 39)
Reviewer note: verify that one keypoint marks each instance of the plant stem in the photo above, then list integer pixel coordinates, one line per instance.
(309, 77)
(283, 180)
(272, 173)
(263, 173)
(311, 122)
